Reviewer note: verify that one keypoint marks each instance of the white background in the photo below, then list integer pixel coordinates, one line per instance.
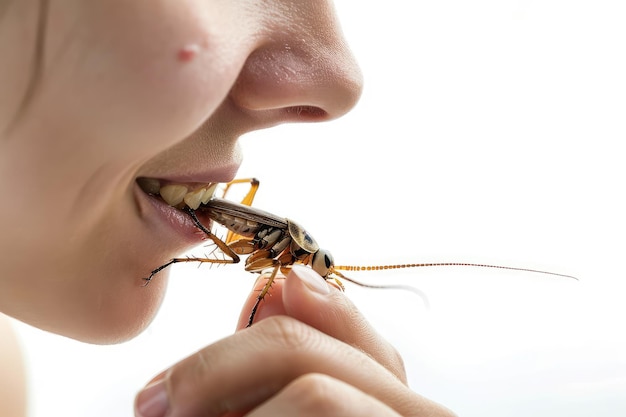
(489, 131)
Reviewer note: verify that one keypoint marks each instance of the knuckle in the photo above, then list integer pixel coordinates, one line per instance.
(187, 380)
(314, 393)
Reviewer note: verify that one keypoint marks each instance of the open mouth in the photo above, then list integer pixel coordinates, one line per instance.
(178, 195)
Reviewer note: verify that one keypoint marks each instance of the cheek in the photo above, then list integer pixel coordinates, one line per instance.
(159, 74)
(95, 303)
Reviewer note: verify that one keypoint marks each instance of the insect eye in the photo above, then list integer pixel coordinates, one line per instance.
(322, 262)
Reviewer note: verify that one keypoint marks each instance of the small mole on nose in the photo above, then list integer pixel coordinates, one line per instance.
(188, 52)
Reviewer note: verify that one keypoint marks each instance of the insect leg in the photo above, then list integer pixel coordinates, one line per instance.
(262, 294)
(234, 258)
(190, 259)
(219, 242)
(254, 186)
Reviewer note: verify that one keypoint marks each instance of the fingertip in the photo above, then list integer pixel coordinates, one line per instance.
(270, 305)
(309, 298)
(333, 313)
(311, 279)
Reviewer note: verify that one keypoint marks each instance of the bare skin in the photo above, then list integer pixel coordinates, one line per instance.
(311, 354)
(98, 94)
(13, 380)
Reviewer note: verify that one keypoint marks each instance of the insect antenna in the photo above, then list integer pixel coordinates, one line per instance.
(414, 290)
(423, 265)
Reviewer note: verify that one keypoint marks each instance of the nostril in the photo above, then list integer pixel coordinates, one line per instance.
(306, 113)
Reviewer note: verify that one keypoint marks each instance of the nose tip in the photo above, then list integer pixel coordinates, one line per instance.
(299, 82)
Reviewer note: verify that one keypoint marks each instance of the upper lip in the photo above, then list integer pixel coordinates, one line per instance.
(222, 174)
(212, 175)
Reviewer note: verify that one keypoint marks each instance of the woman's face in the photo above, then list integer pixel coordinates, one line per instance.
(133, 89)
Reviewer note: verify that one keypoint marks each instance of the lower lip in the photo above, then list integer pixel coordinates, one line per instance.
(169, 220)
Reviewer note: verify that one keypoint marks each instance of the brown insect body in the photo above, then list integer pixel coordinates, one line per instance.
(274, 243)
(271, 241)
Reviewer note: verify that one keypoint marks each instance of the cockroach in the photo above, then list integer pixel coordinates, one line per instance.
(274, 243)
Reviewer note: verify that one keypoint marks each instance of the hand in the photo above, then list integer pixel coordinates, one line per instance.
(309, 353)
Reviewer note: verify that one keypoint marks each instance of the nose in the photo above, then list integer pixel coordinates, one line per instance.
(301, 68)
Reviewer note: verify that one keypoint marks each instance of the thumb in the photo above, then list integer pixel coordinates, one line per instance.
(305, 296)
(308, 287)
(308, 298)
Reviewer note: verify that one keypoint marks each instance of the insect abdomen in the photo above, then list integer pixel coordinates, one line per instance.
(239, 225)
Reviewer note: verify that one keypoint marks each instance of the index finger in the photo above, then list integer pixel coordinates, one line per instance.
(244, 370)
(305, 296)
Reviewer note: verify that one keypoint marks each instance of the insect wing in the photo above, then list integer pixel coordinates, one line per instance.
(219, 210)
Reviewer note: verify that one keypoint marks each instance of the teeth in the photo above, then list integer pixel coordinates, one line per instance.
(179, 195)
(194, 198)
(173, 194)
(208, 194)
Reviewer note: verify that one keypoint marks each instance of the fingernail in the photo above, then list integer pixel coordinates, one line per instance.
(152, 401)
(311, 279)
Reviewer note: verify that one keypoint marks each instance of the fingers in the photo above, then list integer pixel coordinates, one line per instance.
(309, 352)
(245, 370)
(315, 395)
(334, 314)
(307, 297)
(271, 305)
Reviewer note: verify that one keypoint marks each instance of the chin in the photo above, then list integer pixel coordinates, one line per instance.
(118, 317)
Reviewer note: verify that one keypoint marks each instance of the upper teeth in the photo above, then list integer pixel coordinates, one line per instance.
(173, 194)
(176, 194)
